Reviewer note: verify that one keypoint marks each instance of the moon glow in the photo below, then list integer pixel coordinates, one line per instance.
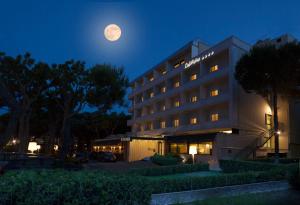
(112, 32)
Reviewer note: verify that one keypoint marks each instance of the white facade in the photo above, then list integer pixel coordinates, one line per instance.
(193, 93)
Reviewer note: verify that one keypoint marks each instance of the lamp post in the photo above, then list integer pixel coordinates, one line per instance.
(193, 151)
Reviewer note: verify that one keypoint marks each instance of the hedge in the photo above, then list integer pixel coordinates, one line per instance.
(76, 188)
(166, 160)
(166, 170)
(164, 185)
(281, 160)
(231, 166)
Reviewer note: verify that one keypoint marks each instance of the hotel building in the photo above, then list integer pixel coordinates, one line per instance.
(191, 99)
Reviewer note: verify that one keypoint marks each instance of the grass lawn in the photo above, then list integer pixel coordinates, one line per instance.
(291, 197)
(191, 174)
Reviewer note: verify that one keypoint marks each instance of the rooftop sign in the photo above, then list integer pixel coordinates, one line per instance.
(197, 60)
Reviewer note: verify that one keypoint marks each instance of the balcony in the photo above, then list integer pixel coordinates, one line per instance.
(187, 107)
(185, 87)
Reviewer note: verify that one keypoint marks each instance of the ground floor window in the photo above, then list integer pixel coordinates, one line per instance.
(178, 148)
(182, 148)
(203, 147)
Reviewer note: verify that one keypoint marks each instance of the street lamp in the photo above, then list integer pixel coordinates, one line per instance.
(193, 151)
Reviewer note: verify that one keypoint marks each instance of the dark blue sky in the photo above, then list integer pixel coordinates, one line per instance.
(57, 30)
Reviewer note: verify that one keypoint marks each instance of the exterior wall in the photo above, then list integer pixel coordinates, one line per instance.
(139, 149)
(236, 108)
(228, 146)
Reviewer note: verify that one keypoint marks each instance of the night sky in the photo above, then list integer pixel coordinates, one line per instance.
(57, 30)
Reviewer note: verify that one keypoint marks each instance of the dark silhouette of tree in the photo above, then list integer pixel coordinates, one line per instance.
(22, 82)
(42, 100)
(271, 72)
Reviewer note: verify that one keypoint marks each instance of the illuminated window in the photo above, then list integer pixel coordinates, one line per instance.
(268, 121)
(214, 68)
(193, 77)
(163, 89)
(163, 107)
(163, 124)
(151, 78)
(176, 84)
(193, 120)
(178, 148)
(176, 103)
(176, 122)
(164, 72)
(203, 147)
(176, 65)
(182, 62)
(214, 117)
(214, 92)
(151, 94)
(193, 99)
(142, 98)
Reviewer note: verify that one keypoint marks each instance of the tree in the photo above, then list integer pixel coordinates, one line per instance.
(22, 82)
(107, 87)
(271, 71)
(68, 91)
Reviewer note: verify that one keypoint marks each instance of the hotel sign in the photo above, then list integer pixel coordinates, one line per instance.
(197, 60)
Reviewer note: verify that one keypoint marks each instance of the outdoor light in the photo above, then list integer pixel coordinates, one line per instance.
(33, 146)
(14, 141)
(278, 132)
(56, 147)
(193, 151)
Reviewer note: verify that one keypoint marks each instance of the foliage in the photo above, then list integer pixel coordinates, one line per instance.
(166, 170)
(42, 100)
(163, 185)
(76, 188)
(232, 166)
(271, 71)
(281, 160)
(267, 68)
(165, 160)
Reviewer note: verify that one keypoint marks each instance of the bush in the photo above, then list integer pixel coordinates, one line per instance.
(231, 166)
(166, 160)
(163, 185)
(165, 170)
(76, 188)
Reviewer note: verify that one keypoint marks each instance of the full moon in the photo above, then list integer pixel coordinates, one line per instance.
(112, 32)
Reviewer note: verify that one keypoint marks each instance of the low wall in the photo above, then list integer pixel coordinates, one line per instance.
(194, 195)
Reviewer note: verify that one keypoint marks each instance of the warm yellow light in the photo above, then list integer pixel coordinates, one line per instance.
(193, 150)
(33, 146)
(14, 141)
(56, 147)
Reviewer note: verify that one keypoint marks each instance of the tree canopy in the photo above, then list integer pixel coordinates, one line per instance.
(42, 99)
(271, 71)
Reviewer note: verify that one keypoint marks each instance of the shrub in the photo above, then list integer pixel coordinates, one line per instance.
(166, 160)
(78, 188)
(163, 185)
(231, 166)
(165, 170)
